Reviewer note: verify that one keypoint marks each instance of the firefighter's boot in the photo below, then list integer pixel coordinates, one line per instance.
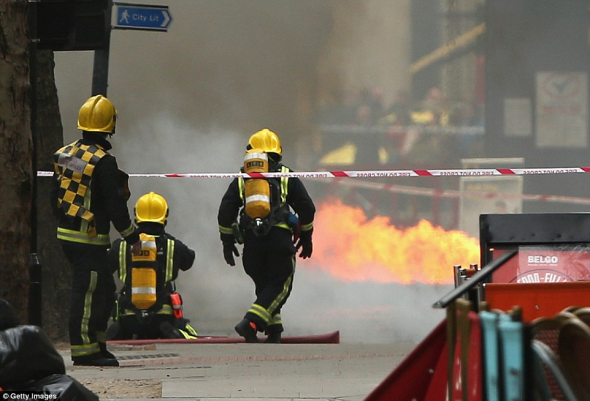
(273, 335)
(274, 338)
(105, 352)
(247, 329)
(169, 331)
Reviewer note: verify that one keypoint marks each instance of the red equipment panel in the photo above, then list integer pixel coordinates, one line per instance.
(538, 299)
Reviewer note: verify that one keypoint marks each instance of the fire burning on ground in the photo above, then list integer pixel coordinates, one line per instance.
(351, 247)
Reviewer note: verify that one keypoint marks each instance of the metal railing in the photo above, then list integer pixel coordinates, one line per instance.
(475, 280)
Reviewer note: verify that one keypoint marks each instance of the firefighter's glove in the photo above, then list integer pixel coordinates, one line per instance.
(229, 250)
(305, 243)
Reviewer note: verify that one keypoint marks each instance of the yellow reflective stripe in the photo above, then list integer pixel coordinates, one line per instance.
(307, 227)
(189, 335)
(88, 196)
(276, 319)
(166, 310)
(88, 307)
(191, 330)
(128, 231)
(86, 349)
(117, 311)
(122, 261)
(284, 193)
(84, 226)
(273, 306)
(241, 187)
(260, 311)
(82, 237)
(284, 185)
(170, 260)
(226, 230)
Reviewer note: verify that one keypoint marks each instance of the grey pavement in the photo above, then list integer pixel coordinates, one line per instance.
(247, 372)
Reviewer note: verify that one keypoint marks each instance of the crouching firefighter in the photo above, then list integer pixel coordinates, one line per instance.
(148, 305)
(265, 208)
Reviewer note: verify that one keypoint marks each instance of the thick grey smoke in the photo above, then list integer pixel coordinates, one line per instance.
(188, 100)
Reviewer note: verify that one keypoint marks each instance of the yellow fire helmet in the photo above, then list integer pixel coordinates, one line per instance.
(151, 208)
(98, 114)
(267, 141)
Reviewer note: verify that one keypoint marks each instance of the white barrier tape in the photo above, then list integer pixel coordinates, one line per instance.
(400, 130)
(450, 193)
(372, 174)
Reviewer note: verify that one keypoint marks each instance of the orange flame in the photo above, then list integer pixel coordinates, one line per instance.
(352, 248)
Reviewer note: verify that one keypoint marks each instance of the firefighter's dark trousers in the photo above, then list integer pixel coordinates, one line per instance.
(270, 262)
(92, 297)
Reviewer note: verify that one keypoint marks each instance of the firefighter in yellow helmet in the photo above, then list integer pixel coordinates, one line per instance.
(271, 239)
(89, 192)
(147, 306)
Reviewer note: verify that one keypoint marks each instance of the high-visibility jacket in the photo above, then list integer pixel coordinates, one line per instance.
(87, 193)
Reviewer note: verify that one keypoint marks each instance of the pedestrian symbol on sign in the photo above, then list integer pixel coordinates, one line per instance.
(124, 16)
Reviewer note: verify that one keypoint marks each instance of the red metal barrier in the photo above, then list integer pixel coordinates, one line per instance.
(423, 373)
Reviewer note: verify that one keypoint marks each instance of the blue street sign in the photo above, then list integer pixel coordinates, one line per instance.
(141, 16)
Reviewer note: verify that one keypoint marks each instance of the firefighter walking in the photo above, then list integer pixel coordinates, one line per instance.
(88, 193)
(149, 306)
(267, 215)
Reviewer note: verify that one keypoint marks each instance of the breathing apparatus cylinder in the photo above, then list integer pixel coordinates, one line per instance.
(256, 190)
(143, 274)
